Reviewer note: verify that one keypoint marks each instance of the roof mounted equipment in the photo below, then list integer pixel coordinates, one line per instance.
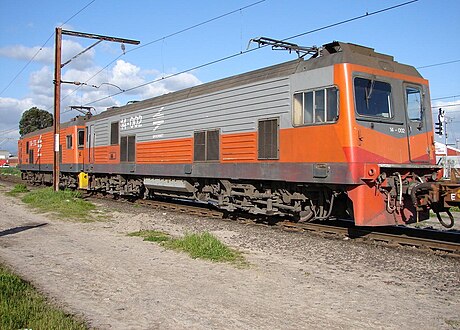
(283, 45)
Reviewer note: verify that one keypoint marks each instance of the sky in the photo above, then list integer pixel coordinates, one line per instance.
(178, 37)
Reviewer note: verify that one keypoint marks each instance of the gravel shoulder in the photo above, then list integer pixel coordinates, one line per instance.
(295, 280)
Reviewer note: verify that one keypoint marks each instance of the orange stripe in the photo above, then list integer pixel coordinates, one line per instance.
(170, 151)
(240, 147)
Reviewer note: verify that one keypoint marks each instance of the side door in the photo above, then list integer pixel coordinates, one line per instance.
(81, 147)
(90, 138)
(418, 123)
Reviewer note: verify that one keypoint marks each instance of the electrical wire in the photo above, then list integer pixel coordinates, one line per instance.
(41, 48)
(437, 64)
(253, 49)
(447, 106)
(367, 14)
(196, 25)
(162, 39)
(8, 130)
(445, 97)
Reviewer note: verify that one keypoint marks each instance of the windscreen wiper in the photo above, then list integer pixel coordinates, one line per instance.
(369, 92)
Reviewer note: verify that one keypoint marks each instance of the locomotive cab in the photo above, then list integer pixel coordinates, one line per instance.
(391, 141)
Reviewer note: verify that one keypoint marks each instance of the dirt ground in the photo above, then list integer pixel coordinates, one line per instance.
(295, 281)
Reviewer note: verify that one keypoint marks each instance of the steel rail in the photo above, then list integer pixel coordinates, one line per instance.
(451, 243)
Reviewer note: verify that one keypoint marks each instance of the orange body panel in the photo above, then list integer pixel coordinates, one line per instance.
(42, 146)
(312, 144)
(106, 154)
(165, 152)
(101, 154)
(69, 155)
(20, 155)
(240, 147)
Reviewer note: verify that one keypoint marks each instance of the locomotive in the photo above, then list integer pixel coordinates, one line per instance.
(347, 133)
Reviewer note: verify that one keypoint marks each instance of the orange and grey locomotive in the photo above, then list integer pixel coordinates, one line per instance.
(346, 133)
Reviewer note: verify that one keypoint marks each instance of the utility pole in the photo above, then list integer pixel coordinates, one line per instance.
(57, 86)
(57, 107)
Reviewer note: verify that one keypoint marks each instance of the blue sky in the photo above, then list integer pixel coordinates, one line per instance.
(422, 33)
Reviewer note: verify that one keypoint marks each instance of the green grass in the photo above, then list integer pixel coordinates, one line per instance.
(152, 235)
(455, 209)
(19, 188)
(66, 204)
(22, 307)
(202, 246)
(10, 171)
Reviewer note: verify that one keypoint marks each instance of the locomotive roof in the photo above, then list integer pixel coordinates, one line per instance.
(330, 54)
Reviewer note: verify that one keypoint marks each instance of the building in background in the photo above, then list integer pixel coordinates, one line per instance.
(4, 157)
(448, 157)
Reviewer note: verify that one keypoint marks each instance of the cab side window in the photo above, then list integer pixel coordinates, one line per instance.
(316, 107)
(414, 103)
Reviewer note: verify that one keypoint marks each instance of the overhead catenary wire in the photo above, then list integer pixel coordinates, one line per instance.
(8, 130)
(367, 14)
(437, 64)
(447, 106)
(162, 39)
(445, 97)
(41, 48)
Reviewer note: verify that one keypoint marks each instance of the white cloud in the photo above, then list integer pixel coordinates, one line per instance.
(45, 55)
(19, 52)
(11, 109)
(41, 82)
(123, 75)
(70, 49)
(10, 113)
(169, 84)
(126, 76)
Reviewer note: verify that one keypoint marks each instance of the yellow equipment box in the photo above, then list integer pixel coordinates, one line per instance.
(83, 180)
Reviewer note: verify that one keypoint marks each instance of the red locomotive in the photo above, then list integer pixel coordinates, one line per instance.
(347, 133)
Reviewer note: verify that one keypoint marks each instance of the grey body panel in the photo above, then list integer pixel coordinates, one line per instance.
(235, 110)
(65, 168)
(337, 173)
(235, 104)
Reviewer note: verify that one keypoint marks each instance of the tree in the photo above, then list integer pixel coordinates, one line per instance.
(34, 119)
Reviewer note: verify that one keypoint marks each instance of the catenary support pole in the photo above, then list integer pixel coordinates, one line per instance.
(57, 107)
(57, 88)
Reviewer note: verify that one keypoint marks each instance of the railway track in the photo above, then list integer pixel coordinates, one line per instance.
(447, 242)
(441, 242)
